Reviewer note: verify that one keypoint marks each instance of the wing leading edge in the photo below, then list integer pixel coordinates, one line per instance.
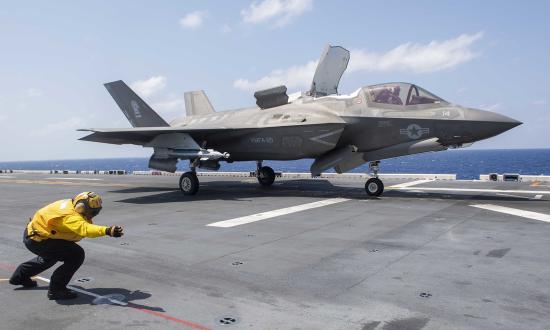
(140, 136)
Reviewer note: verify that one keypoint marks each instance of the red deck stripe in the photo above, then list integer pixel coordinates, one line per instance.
(157, 314)
(9, 267)
(170, 318)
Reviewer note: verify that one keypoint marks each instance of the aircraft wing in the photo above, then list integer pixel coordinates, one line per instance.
(143, 135)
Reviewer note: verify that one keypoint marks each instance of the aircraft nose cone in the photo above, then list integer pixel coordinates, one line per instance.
(490, 123)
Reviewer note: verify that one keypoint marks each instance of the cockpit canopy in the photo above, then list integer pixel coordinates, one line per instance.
(401, 94)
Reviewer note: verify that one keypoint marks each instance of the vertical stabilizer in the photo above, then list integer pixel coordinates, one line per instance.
(138, 112)
(197, 103)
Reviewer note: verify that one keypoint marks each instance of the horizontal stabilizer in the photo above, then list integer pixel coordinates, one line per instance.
(197, 103)
(138, 112)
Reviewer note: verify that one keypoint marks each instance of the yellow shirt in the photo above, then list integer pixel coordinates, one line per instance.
(59, 220)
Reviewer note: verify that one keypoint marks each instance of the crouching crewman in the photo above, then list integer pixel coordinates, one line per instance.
(52, 234)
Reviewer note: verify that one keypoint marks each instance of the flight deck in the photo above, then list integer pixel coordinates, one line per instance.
(301, 254)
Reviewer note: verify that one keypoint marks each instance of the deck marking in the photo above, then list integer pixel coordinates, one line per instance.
(410, 184)
(173, 319)
(275, 213)
(88, 293)
(83, 179)
(537, 197)
(141, 309)
(544, 192)
(516, 212)
(510, 195)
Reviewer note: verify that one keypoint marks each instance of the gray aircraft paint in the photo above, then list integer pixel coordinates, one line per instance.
(197, 103)
(138, 112)
(340, 131)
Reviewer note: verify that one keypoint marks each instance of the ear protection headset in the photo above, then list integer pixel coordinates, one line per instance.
(90, 200)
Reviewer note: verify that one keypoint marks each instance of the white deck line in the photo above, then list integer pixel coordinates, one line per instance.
(88, 293)
(83, 179)
(275, 213)
(410, 184)
(516, 212)
(542, 192)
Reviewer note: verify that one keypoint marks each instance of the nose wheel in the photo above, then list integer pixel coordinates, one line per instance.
(374, 186)
(189, 183)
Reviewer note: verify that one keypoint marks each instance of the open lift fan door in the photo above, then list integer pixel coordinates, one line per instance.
(330, 69)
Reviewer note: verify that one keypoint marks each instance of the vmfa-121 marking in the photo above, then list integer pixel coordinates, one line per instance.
(337, 131)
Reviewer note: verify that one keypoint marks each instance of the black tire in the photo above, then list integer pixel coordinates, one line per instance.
(189, 183)
(374, 187)
(266, 176)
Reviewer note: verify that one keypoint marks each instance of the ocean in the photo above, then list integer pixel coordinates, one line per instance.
(467, 164)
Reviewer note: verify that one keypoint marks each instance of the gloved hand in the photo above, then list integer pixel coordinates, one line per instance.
(114, 231)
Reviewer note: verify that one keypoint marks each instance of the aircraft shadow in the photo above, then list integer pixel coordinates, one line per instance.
(237, 190)
(130, 296)
(144, 190)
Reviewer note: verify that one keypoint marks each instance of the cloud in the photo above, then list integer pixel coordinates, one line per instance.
(418, 58)
(193, 20)
(226, 29)
(169, 106)
(407, 57)
(34, 92)
(2, 118)
(490, 107)
(539, 102)
(69, 124)
(148, 87)
(281, 12)
(293, 77)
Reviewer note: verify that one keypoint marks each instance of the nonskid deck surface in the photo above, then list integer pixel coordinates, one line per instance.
(303, 254)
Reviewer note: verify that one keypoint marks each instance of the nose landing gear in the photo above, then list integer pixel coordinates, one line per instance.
(374, 186)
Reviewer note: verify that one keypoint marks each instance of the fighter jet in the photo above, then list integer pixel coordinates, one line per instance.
(336, 131)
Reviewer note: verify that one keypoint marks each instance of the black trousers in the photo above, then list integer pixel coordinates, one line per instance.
(49, 252)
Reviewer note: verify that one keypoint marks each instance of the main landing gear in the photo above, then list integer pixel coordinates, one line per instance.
(265, 174)
(189, 183)
(374, 186)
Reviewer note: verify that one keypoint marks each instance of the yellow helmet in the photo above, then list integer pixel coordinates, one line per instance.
(91, 200)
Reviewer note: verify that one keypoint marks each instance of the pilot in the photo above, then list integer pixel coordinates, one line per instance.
(394, 95)
(52, 234)
(389, 95)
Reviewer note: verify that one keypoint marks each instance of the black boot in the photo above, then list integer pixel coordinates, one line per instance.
(26, 283)
(62, 294)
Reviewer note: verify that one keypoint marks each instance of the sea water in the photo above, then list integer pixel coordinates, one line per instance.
(467, 164)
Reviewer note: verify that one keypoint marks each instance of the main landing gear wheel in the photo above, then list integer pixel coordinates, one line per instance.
(189, 183)
(266, 176)
(374, 187)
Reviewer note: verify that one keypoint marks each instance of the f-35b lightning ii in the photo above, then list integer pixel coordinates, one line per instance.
(337, 131)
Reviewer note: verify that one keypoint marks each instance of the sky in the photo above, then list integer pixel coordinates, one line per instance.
(55, 57)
